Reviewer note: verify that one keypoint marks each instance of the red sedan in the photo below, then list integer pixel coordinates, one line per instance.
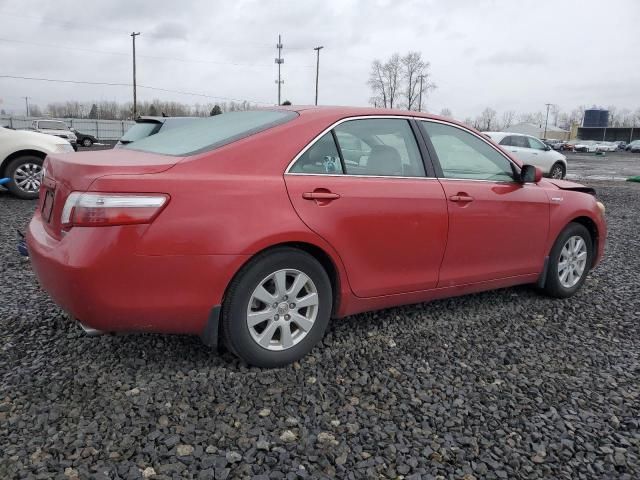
(257, 227)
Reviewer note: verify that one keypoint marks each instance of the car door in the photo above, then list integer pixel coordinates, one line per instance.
(382, 211)
(497, 227)
(541, 156)
(518, 146)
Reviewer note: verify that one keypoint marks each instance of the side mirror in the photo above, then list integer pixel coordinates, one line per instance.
(530, 174)
(547, 148)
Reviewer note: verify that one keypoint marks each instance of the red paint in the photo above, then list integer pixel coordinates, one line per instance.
(392, 240)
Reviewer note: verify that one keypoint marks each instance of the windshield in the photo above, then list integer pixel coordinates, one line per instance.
(140, 130)
(212, 132)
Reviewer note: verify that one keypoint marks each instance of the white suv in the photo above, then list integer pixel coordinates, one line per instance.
(21, 156)
(532, 151)
(57, 128)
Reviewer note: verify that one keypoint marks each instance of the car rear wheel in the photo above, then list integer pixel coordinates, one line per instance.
(569, 261)
(86, 142)
(277, 308)
(25, 174)
(557, 171)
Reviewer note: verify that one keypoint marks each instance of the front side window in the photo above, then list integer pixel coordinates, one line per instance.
(321, 158)
(462, 155)
(380, 147)
(535, 143)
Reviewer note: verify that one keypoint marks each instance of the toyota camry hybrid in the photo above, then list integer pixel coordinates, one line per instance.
(254, 228)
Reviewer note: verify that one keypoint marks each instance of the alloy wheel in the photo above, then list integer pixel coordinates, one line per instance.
(572, 261)
(27, 177)
(557, 172)
(282, 309)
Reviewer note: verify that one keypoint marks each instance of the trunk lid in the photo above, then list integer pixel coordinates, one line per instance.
(75, 172)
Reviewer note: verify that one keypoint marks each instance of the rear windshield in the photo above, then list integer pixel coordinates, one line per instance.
(140, 130)
(211, 132)
(49, 125)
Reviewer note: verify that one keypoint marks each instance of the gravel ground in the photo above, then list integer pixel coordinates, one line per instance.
(504, 384)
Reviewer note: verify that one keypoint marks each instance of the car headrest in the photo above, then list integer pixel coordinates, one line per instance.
(384, 160)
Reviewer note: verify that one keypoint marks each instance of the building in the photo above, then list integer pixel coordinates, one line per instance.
(536, 130)
(595, 118)
(613, 134)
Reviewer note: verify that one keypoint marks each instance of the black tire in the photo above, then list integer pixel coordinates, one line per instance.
(553, 287)
(557, 167)
(235, 331)
(10, 172)
(87, 142)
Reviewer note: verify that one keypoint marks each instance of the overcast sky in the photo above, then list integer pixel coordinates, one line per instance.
(509, 55)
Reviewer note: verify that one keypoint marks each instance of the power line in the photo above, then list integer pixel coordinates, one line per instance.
(112, 84)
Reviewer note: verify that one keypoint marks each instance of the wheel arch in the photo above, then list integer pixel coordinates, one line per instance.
(592, 228)
(20, 153)
(325, 259)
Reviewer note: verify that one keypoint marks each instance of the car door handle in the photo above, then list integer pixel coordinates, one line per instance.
(461, 198)
(320, 195)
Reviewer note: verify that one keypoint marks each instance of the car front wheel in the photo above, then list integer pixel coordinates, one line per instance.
(557, 171)
(25, 174)
(569, 261)
(87, 142)
(277, 308)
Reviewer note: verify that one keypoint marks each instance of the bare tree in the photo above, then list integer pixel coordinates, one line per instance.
(507, 118)
(34, 110)
(614, 118)
(554, 111)
(445, 112)
(413, 69)
(393, 75)
(377, 84)
(487, 118)
(399, 77)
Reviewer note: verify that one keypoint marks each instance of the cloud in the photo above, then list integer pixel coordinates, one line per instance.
(169, 31)
(523, 57)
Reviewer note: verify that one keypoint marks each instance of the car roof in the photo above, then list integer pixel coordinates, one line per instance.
(335, 113)
(497, 136)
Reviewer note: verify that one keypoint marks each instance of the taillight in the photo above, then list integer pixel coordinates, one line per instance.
(93, 209)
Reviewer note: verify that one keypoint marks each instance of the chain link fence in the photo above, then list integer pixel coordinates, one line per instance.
(101, 129)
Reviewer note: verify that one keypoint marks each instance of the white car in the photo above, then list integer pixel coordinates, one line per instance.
(21, 155)
(57, 128)
(606, 147)
(588, 146)
(531, 150)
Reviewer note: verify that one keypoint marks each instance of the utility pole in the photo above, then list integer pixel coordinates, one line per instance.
(135, 108)
(546, 120)
(279, 61)
(317, 49)
(26, 102)
(420, 94)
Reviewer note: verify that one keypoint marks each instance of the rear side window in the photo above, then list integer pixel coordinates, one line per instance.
(380, 147)
(322, 157)
(49, 125)
(211, 132)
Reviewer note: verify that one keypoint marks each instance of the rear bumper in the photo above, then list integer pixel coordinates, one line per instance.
(96, 275)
